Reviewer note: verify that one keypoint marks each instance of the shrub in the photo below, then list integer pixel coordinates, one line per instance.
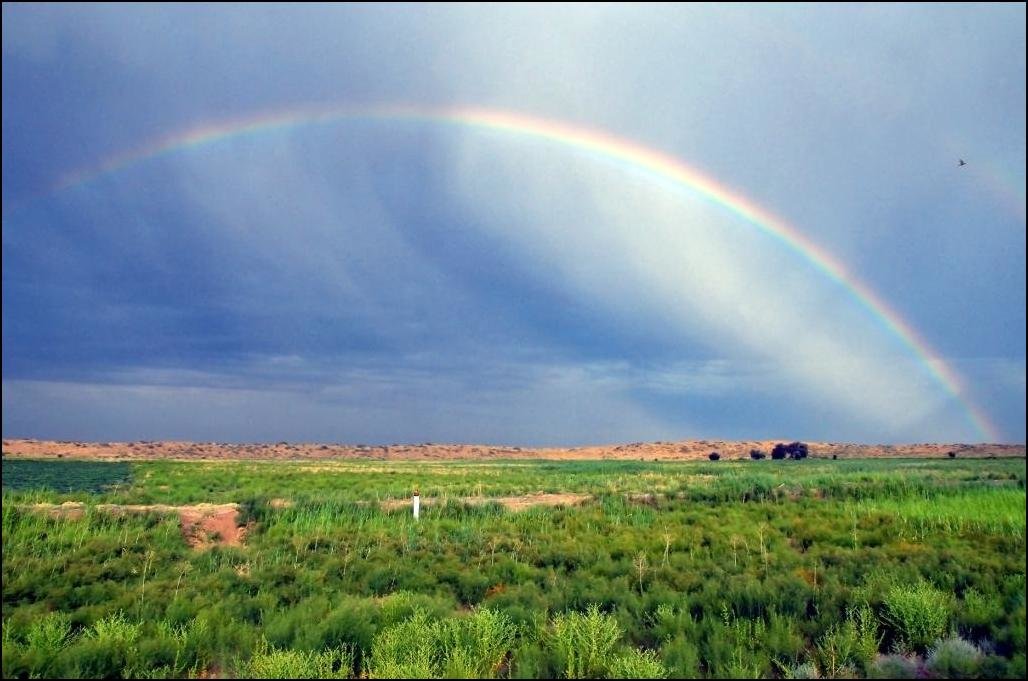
(529, 661)
(954, 658)
(637, 664)
(401, 605)
(807, 670)
(849, 644)
(254, 509)
(681, 657)
(584, 642)
(352, 623)
(106, 649)
(477, 645)
(978, 610)
(836, 649)
(757, 455)
(114, 629)
(49, 633)
(868, 640)
(894, 667)
(469, 647)
(46, 637)
(404, 651)
(267, 662)
(714, 456)
(919, 614)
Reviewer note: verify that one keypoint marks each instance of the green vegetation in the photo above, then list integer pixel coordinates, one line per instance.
(67, 476)
(918, 613)
(734, 569)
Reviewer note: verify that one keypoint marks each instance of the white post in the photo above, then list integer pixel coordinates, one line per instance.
(417, 504)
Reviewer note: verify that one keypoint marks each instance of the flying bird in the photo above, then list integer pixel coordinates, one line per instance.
(962, 163)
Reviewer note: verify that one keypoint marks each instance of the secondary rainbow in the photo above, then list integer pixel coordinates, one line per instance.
(635, 157)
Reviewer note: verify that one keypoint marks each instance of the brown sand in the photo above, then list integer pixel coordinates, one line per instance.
(648, 451)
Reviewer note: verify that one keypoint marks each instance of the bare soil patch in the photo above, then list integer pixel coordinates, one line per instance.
(518, 503)
(203, 525)
(71, 510)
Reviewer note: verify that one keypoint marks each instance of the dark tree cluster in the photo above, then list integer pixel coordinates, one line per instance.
(757, 455)
(793, 450)
(714, 456)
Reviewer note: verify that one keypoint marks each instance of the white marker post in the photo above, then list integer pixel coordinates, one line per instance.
(417, 504)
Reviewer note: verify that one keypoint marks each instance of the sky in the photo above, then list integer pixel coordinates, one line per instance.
(514, 224)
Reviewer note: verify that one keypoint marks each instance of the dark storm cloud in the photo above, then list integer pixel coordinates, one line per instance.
(387, 281)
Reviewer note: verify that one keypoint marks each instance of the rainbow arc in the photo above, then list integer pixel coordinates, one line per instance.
(658, 166)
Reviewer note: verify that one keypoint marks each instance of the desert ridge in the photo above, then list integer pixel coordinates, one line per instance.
(686, 450)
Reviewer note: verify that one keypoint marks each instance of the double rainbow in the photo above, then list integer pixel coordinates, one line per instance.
(657, 166)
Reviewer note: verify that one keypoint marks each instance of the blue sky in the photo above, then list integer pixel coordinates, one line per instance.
(405, 281)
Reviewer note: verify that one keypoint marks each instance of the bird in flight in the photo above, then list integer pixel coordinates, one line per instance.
(962, 163)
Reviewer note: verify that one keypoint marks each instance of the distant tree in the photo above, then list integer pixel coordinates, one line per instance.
(952, 455)
(793, 450)
(714, 456)
(757, 455)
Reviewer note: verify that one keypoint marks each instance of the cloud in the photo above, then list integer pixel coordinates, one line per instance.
(522, 404)
(683, 267)
(413, 260)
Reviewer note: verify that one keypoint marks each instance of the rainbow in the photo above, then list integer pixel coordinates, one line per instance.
(655, 165)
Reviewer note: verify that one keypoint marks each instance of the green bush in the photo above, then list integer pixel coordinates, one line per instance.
(585, 642)
(475, 646)
(954, 658)
(681, 657)
(267, 662)
(868, 640)
(47, 636)
(49, 633)
(919, 614)
(894, 667)
(404, 651)
(978, 611)
(460, 647)
(114, 630)
(529, 661)
(848, 645)
(807, 670)
(637, 664)
(836, 650)
(106, 649)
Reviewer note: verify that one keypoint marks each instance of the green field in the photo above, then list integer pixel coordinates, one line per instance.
(67, 476)
(742, 569)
